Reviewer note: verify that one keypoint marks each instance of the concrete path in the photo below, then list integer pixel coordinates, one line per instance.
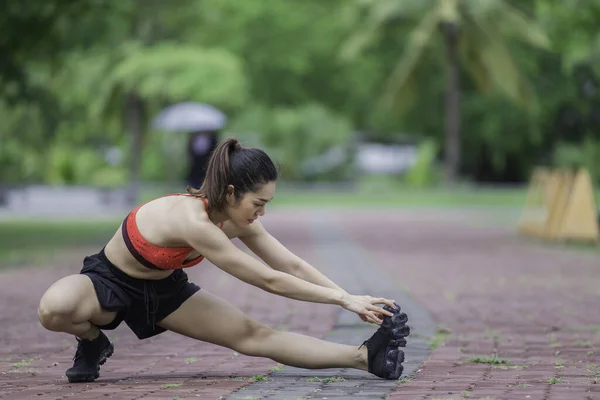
(350, 267)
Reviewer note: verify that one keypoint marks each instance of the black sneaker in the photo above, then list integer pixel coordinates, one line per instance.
(90, 355)
(384, 356)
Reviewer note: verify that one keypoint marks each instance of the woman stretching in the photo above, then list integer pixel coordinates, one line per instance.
(138, 278)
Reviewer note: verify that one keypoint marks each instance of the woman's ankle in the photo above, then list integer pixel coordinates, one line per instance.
(362, 358)
(90, 334)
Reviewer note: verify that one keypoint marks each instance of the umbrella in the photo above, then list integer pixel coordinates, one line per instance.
(190, 117)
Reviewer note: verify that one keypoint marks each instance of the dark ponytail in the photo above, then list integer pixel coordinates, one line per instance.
(231, 164)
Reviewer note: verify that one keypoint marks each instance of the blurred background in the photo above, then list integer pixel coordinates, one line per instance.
(378, 103)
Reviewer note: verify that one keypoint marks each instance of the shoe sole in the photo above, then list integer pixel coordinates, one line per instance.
(393, 364)
(89, 378)
(397, 328)
(396, 325)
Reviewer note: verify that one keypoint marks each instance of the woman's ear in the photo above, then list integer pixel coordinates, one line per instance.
(230, 192)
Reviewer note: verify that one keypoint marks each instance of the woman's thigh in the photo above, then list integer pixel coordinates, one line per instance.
(209, 318)
(74, 296)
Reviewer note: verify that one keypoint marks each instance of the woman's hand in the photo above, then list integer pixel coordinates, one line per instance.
(366, 307)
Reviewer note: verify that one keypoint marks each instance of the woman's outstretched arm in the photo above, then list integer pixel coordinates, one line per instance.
(278, 257)
(211, 242)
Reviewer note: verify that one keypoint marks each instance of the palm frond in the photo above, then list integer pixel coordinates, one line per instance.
(448, 11)
(379, 14)
(175, 72)
(514, 23)
(500, 64)
(595, 54)
(359, 41)
(469, 45)
(419, 39)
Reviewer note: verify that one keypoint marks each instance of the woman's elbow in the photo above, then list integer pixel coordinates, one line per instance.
(297, 269)
(272, 282)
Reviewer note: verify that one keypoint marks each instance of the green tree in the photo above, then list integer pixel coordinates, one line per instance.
(42, 31)
(296, 137)
(573, 26)
(129, 84)
(290, 51)
(472, 35)
(123, 79)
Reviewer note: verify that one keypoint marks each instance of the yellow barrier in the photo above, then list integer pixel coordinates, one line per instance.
(560, 205)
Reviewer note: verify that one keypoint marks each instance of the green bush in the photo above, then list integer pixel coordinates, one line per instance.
(293, 136)
(109, 177)
(11, 168)
(22, 143)
(424, 172)
(70, 165)
(585, 155)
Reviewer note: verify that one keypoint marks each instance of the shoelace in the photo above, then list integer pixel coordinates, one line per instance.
(79, 353)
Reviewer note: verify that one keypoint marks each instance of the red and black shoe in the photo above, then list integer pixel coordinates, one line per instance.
(384, 356)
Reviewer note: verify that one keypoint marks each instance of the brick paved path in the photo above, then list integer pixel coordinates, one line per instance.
(534, 306)
(493, 294)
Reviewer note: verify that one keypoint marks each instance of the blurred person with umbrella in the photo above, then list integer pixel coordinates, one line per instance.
(204, 122)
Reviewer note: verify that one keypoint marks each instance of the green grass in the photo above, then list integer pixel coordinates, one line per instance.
(170, 385)
(401, 198)
(439, 338)
(510, 366)
(487, 360)
(327, 380)
(26, 241)
(383, 192)
(259, 378)
(25, 363)
(277, 368)
(333, 379)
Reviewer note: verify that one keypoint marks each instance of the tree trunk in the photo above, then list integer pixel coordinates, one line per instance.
(134, 119)
(452, 105)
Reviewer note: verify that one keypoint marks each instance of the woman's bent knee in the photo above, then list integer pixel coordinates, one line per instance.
(65, 299)
(52, 320)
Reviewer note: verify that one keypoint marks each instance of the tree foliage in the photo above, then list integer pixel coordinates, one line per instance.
(73, 73)
(473, 35)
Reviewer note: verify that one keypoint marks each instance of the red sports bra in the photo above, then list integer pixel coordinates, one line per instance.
(151, 255)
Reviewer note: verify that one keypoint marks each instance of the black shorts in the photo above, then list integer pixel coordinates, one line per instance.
(141, 303)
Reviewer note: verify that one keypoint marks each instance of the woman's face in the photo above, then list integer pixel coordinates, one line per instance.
(251, 205)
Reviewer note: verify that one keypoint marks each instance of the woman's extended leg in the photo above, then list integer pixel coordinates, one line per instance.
(206, 317)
